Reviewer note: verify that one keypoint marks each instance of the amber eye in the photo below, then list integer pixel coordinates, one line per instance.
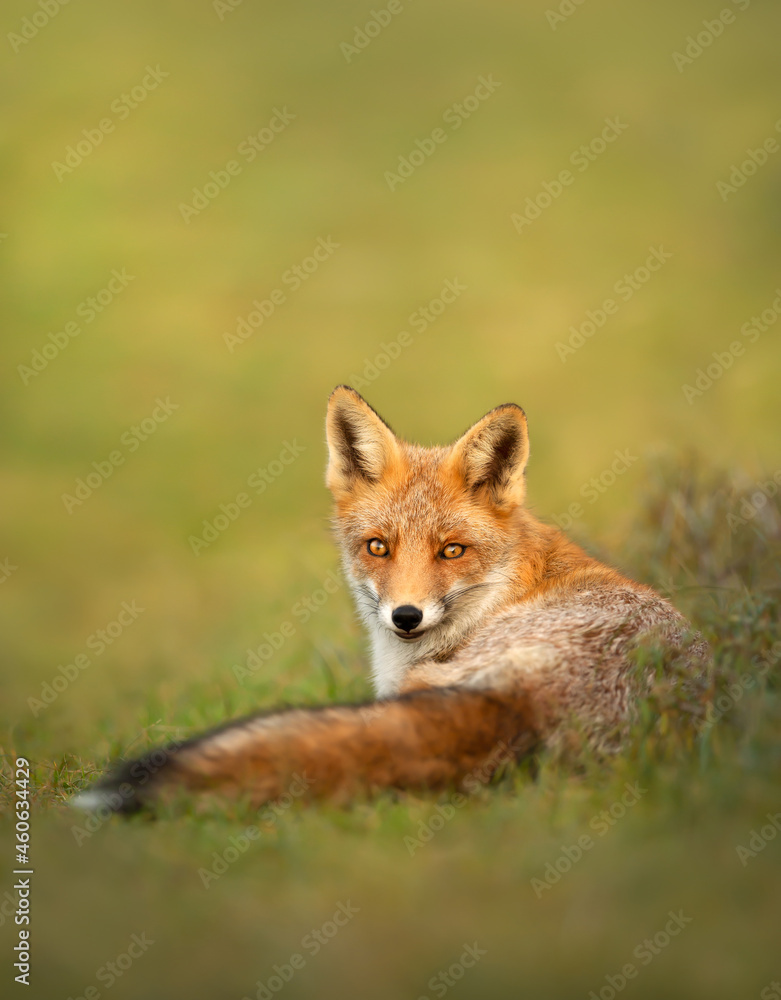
(453, 551)
(377, 547)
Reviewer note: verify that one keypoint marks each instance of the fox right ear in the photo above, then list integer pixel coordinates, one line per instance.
(492, 455)
(361, 445)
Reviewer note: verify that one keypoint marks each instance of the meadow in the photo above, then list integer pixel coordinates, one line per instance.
(212, 215)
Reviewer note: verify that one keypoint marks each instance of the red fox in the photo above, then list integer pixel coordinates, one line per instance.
(488, 628)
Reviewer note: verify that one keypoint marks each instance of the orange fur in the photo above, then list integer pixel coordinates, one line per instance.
(488, 628)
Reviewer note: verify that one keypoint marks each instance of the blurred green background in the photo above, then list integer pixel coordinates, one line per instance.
(220, 76)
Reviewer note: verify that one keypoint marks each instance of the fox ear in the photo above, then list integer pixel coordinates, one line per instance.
(361, 446)
(492, 455)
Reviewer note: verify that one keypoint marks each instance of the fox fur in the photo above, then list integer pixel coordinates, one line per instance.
(488, 629)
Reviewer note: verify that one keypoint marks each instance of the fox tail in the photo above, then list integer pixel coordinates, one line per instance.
(427, 739)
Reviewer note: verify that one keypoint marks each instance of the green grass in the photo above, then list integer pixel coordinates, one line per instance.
(170, 673)
(428, 877)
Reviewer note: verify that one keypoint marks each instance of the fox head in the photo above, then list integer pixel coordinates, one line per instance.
(428, 535)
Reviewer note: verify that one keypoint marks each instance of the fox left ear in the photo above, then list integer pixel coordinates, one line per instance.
(492, 455)
(361, 446)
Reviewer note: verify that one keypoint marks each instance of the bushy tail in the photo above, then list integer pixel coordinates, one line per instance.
(427, 739)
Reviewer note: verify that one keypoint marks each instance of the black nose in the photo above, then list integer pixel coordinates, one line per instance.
(407, 617)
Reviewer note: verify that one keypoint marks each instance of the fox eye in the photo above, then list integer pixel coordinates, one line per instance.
(376, 547)
(453, 551)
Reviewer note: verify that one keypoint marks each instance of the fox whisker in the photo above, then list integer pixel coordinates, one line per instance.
(370, 596)
(450, 599)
